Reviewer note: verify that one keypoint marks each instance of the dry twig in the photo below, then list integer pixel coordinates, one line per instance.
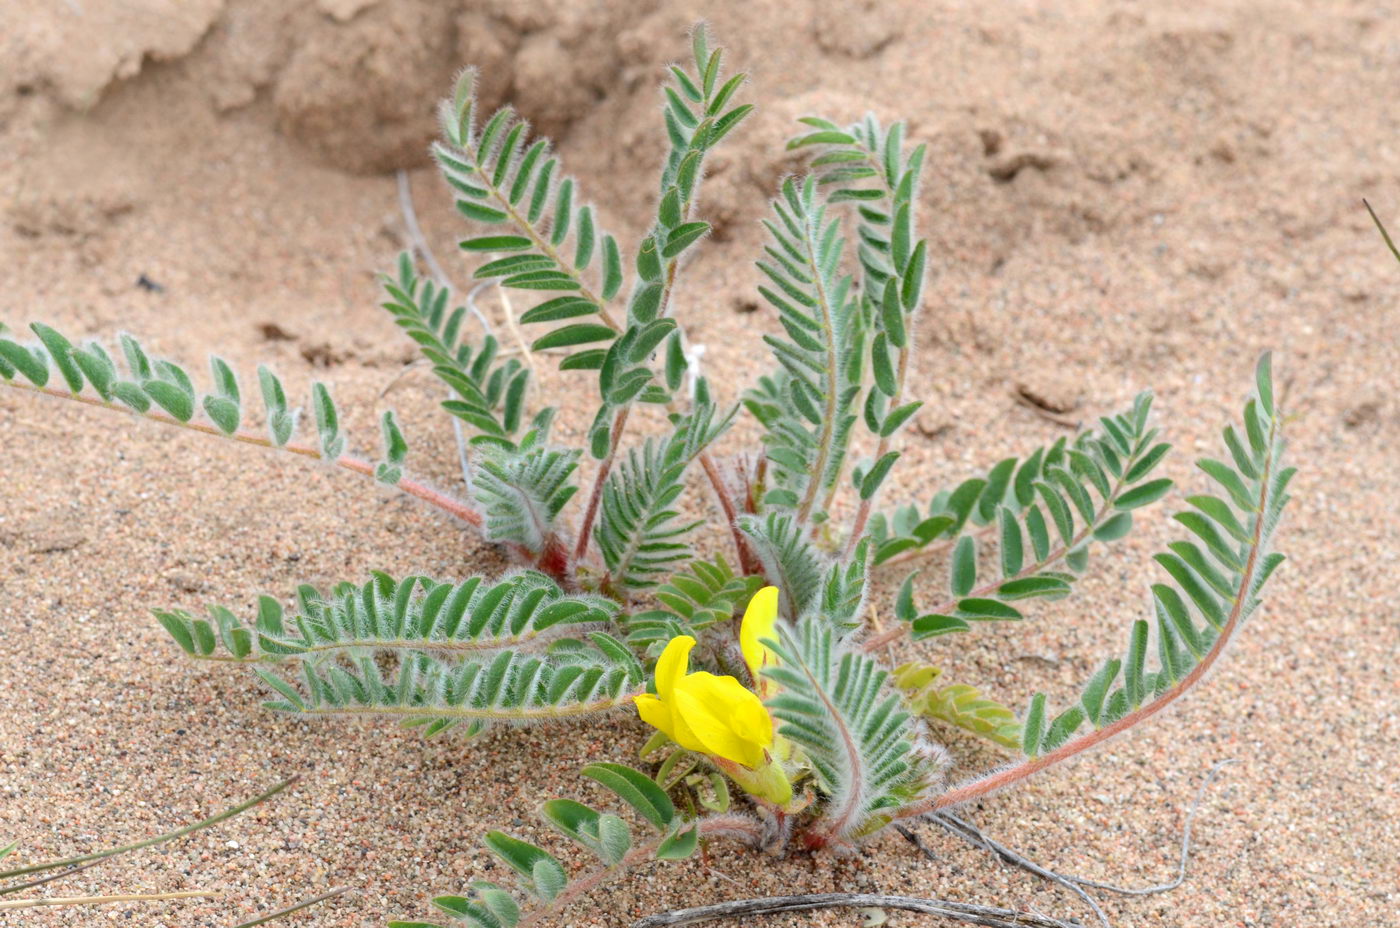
(958, 911)
(974, 835)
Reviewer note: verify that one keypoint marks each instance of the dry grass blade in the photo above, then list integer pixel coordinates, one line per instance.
(103, 900)
(48, 879)
(149, 842)
(305, 904)
(1384, 234)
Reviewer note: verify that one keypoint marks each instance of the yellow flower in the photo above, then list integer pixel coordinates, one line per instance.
(759, 620)
(706, 713)
(719, 717)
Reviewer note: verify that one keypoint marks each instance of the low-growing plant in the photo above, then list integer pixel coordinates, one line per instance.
(786, 727)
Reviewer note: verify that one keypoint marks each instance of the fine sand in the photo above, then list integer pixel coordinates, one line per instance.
(1119, 195)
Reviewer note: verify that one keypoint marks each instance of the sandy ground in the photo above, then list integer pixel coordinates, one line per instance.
(1119, 196)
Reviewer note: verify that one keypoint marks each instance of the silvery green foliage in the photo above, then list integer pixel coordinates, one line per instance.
(500, 180)
(704, 594)
(553, 245)
(466, 653)
(837, 705)
(1043, 512)
(415, 613)
(640, 534)
(812, 583)
(845, 590)
(808, 408)
(866, 165)
(543, 878)
(790, 561)
(488, 391)
(575, 633)
(834, 321)
(162, 389)
(1215, 579)
(521, 490)
(1015, 486)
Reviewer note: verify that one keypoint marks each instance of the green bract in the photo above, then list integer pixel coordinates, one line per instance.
(608, 576)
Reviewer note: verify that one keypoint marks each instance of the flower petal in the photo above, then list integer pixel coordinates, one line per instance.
(656, 714)
(729, 720)
(672, 664)
(759, 620)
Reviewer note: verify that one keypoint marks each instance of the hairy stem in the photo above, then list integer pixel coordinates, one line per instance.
(1003, 778)
(439, 500)
(585, 532)
(524, 714)
(836, 820)
(866, 505)
(748, 562)
(426, 645)
(620, 420)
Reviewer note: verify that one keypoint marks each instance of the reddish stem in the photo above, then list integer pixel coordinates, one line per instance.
(585, 532)
(448, 504)
(748, 563)
(1010, 775)
(553, 560)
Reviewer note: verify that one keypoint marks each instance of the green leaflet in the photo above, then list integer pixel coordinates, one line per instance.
(488, 391)
(523, 610)
(426, 689)
(1041, 513)
(164, 390)
(838, 707)
(641, 534)
(692, 600)
(500, 180)
(789, 560)
(522, 488)
(808, 409)
(1213, 590)
(892, 261)
(957, 704)
(1048, 488)
(466, 654)
(604, 835)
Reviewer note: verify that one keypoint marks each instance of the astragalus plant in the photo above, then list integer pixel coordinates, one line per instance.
(785, 728)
